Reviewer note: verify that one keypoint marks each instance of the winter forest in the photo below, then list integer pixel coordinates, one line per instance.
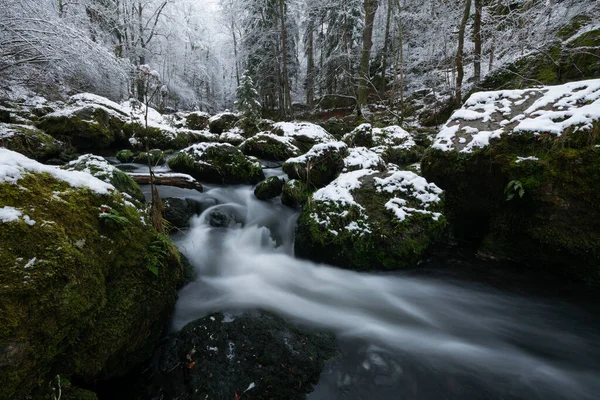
(340, 52)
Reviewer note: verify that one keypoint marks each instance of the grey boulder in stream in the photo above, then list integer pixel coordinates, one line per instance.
(253, 356)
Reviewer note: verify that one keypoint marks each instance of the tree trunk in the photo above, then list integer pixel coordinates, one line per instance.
(477, 40)
(310, 67)
(386, 42)
(459, 53)
(370, 10)
(284, 57)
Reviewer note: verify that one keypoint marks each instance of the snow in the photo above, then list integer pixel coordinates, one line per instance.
(339, 191)
(362, 158)
(233, 135)
(304, 129)
(263, 136)
(410, 183)
(200, 148)
(521, 159)
(10, 214)
(94, 165)
(159, 175)
(550, 109)
(13, 166)
(317, 151)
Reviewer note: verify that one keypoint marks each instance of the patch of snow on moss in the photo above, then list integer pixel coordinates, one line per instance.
(304, 129)
(551, 109)
(13, 166)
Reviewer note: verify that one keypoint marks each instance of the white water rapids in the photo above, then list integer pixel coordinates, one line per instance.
(513, 346)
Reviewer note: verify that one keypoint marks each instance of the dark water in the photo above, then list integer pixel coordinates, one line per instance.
(457, 328)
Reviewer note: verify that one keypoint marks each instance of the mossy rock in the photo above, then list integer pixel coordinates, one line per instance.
(269, 189)
(248, 126)
(87, 127)
(76, 293)
(322, 164)
(222, 122)
(257, 354)
(125, 156)
(33, 143)
(368, 220)
(197, 120)
(217, 163)
(178, 212)
(157, 138)
(392, 143)
(270, 147)
(157, 157)
(295, 193)
(305, 134)
(529, 195)
(103, 170)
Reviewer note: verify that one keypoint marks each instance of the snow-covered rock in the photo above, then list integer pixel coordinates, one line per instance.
(32, 142)
(551, 110)
(369, 220)
(322, 164)
(520, 169)
(217, 163)
(74, 263)
(392, 143)
(100, 168)
(222, 122)
(268, 146)
(306, 134)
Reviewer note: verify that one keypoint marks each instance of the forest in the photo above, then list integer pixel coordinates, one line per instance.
(330, 52)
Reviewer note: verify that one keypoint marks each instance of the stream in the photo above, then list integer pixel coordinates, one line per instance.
(433, 333)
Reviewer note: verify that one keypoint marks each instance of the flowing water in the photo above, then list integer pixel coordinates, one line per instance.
(402, 336)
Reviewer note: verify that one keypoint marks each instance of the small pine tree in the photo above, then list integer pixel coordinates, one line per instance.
(247, 96)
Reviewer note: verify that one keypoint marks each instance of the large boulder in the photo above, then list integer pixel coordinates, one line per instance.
(78, 288)
(371, 220)
(253, 356)
(392, 143)
(217, 163)
(269, 189)
(521, 170)
(295, 193)
(100, 168)
(197, 120)
(270, 147)
(305, 134)
(86, 122)
(322, 164)
(178, 212)
(222, 122)
(32, 142)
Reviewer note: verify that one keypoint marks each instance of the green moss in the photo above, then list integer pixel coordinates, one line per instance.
(296, 193)
(125, 156)
(269, 189)
(381, 242)
(268, 148)
(157, 138)
(87, 305)
(318, 170)
(559, 62)
(555, 224)
(88, 128)
(218, 164)
(574, 26)
(35, 144)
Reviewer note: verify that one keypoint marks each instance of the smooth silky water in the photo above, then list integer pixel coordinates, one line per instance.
(402, 336)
